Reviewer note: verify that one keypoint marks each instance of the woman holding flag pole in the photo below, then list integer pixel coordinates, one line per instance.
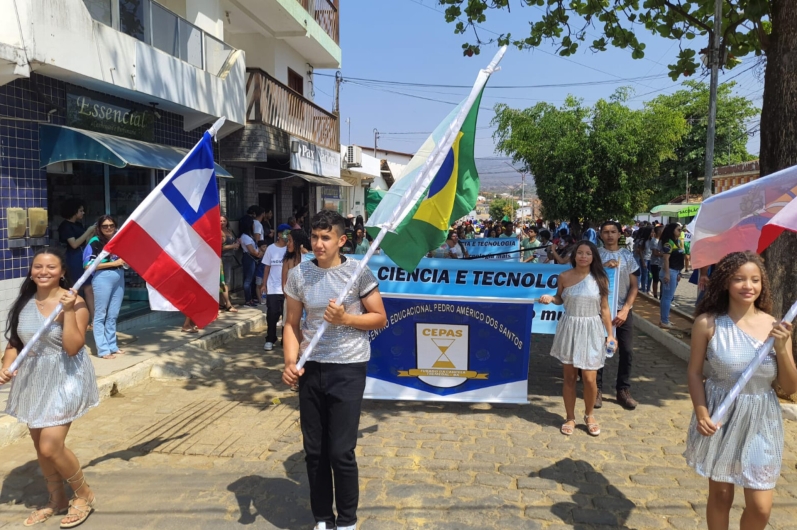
(746, 449)
(57, 384)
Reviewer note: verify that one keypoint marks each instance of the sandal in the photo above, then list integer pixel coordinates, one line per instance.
(81, 511)
(231, 309)
(566, 428)
(41, 515)
(109, 356)
(190, 330)
(592, 428)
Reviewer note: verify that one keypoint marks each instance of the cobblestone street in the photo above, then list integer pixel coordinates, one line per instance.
(222, 453)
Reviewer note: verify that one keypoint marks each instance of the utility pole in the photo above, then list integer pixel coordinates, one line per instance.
(687, 188)
(348, 122)
(714, 58)
(522, 196)
(376, 139)
(336, 111)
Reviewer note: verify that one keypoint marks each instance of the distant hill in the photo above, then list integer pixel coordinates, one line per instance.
(496, 176)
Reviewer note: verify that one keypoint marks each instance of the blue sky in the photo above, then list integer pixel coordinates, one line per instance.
(410, 41)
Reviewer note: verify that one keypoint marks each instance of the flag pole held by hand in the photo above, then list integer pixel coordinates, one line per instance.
(418, 188)
(50, 319)
(761, 354)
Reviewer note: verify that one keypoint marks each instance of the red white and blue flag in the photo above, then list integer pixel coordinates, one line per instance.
(173, 240)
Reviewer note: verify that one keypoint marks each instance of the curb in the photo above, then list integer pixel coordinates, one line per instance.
(682, 314)
(675, 346)
(162, 366)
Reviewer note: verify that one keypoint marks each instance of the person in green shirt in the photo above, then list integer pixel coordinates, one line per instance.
(528, 244)
(509, 230)
(361, 243)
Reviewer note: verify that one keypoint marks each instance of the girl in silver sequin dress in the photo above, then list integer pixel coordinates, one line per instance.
(55, 383)
(580, 341)
(746, 450)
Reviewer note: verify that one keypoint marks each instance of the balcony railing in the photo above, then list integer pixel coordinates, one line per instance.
(270, 102)
(325, 12)
(150, 22)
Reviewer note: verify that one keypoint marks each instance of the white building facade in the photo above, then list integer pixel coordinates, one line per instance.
(99, 99)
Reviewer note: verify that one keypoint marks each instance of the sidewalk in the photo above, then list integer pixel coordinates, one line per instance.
(155, 347)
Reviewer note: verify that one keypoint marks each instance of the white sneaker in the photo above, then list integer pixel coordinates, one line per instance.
(666, 325)
(322, 526)
(268, 347)
(352, 527)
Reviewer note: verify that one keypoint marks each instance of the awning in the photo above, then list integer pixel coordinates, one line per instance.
(676, 210)
(281, 174)
(59, 143)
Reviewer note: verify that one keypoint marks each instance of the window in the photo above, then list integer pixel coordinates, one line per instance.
(295, 82)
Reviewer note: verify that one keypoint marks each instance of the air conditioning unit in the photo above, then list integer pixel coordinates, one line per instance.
(60, 168)
(354, 156)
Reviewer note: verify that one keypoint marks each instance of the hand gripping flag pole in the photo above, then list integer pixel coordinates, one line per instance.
(761, 354)
(416, 191)
(214, 129)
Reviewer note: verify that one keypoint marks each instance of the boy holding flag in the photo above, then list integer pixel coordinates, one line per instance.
(332, 383)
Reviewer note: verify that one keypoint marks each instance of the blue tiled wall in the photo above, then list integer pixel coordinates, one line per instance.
(22, 183)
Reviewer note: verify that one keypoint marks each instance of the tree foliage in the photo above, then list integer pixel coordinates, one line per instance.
(501, 207)
(733, 129)
(590, 162)
(566, 23)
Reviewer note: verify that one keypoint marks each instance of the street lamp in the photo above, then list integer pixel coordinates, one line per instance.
(522, 193)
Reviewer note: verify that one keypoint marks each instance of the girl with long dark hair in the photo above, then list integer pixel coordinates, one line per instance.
(251, 256)
(655, 260)
(579, 341)
(108, 283)
(55, 384)
(733, 321)
(672, 262)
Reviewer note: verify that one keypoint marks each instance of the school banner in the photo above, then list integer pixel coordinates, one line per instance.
(451, 350)
(480, 278)
(493, 245)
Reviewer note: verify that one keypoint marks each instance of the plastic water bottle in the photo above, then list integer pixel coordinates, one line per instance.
(611, 347)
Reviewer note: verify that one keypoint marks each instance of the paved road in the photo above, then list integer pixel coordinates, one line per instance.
(219, 454)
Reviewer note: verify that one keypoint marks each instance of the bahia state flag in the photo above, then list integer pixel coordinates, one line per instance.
(173, 241)
(452, 193)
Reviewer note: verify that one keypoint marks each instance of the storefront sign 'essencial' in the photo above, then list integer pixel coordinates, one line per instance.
(310, 158)
(87, 112)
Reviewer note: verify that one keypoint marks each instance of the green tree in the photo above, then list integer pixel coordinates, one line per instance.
(733, 129)
(749, 27)
(501, 207)
(590, 162)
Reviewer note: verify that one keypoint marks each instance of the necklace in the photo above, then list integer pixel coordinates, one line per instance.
(41, 303)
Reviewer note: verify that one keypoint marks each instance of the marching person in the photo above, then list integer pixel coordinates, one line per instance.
(332, 383)
(672, 261)
(746, 449)
(579, 341)
(55, 384)
(615, 256)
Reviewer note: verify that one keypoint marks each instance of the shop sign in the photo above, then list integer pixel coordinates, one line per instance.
(87, 112)
(310, 158)
(330, 192)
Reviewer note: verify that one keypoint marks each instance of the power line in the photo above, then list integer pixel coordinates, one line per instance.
(362, 80)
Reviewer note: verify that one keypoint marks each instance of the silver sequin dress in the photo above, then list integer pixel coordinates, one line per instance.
(51, 387)
(580, 335)
(748, 448)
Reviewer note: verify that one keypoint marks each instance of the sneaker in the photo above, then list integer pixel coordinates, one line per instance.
(598, 400)
(268, 347)
(666, 325)
(322, 526)
(352, 527)
(625, 399)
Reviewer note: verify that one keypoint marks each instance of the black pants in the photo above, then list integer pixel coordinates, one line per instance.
(330, 399)
(625, 350)
(274, 304)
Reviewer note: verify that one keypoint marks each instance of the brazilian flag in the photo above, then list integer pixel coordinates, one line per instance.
(452, 194)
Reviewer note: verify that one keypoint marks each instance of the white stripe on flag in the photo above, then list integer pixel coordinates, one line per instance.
(182, 243)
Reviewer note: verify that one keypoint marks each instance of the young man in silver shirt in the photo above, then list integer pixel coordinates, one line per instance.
(615, 256)
(332, 383)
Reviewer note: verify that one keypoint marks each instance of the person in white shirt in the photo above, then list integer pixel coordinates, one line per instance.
(272, 279)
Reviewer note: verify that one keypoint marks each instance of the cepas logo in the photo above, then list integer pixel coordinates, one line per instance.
(442, 332)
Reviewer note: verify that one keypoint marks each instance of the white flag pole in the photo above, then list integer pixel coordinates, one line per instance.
(761, 355)
(414, 193)
(213, 130)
